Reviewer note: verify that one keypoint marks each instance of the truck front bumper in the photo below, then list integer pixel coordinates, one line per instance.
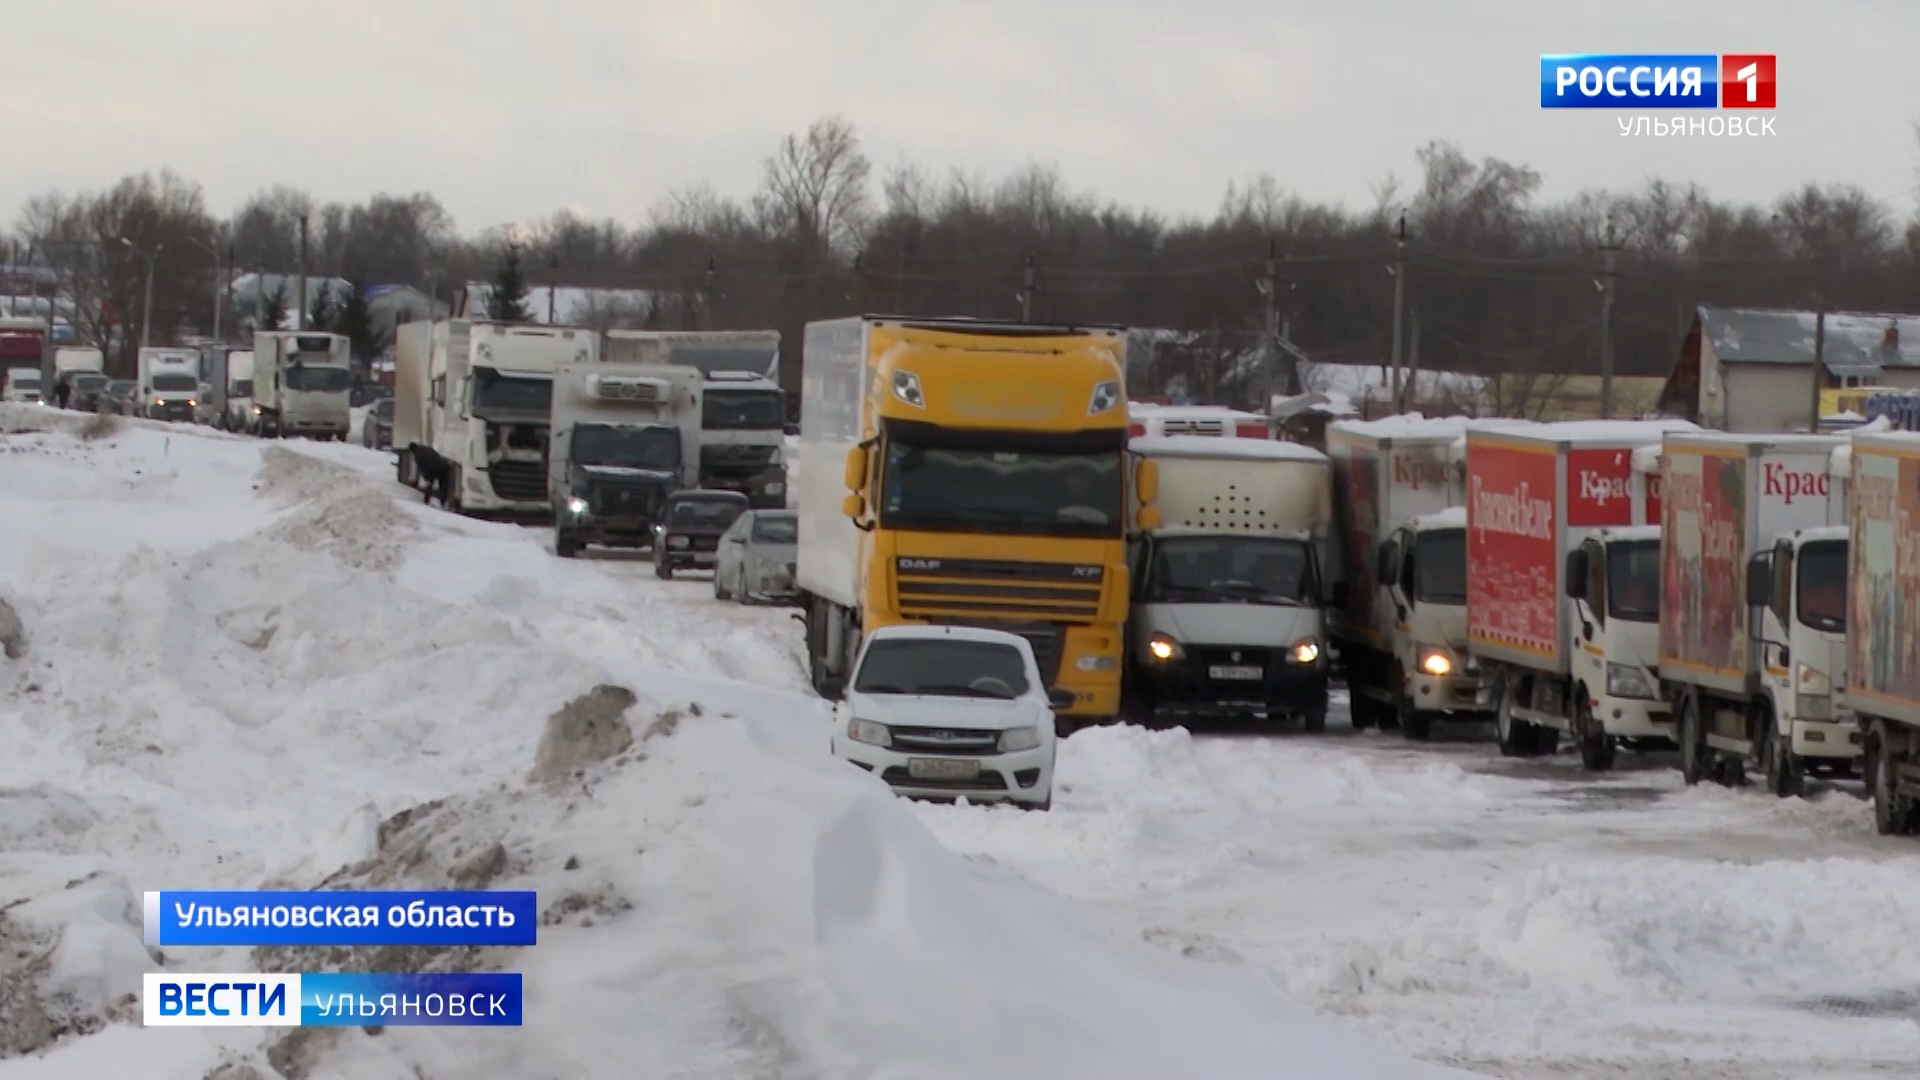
(610, 532)
(1451, 695)
(1827, 739)
(1187, 686)
(1635, 718)
(300, 425)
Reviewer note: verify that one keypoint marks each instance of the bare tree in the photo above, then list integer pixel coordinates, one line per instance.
(815, 190)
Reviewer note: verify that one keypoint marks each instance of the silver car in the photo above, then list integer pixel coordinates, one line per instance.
(756, 558)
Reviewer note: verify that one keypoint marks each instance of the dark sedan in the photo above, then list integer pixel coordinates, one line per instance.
(690, 528)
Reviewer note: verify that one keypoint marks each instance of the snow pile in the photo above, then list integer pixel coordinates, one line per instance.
(254, 670)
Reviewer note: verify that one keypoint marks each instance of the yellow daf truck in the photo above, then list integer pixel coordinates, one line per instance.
(967, 472)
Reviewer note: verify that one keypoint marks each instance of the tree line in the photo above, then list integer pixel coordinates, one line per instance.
(1503, 282)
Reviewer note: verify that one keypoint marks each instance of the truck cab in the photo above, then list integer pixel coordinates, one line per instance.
(743, 409)
(23, 385)
(625, 437)
(1797, 591)
(1422, 579)
(302, 383)
(1613, 579)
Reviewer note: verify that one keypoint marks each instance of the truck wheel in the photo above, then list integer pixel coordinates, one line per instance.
(1777, 763)
(1360, 711)
(1892, 811)
(1694, 756)
(1516, 736)
(1596, 746)
(1315, 719)
(565, 546)
(1414, 724)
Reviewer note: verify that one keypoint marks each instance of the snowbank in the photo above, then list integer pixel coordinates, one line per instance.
(265, 665)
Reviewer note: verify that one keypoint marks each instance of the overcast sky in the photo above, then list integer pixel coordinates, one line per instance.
(510, 111)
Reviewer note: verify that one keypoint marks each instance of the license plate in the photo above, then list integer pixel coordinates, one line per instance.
(942, 769)
(1230, 672)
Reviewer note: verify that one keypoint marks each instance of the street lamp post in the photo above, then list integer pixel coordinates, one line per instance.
(146, 309)
(215, 252)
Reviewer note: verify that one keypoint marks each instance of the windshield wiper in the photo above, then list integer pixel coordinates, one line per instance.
(962, 691)
(880, 689)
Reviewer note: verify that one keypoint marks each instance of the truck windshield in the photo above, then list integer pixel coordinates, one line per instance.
(647, 447)
(955, 490)
(1231, 570)
(1822, 589)
(940, 667)
(497, 393)
(742, 410)
(1633, 580)
(176, 383)
(240, 388)
(315, 379)
(1440, 567)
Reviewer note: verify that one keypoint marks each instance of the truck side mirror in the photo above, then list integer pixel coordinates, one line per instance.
(854, 505)
(856, 469)
(1146, 480)
(1576, 576)
(1147, 518)
(1760, 580)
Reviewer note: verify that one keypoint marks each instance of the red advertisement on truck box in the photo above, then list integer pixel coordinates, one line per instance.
(1703, 542)
(1656, 495)
(1600, 488)
(1883, 619)
(1513, 551)
(1361, 510)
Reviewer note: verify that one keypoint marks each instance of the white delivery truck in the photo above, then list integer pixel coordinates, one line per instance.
(23, 386)
(1151, 420)
(1881, 684)
(743, 426)
(1228, 588)
(237, 411)
(1563, 586)
(473, 401)
(301, 384)
(1750, 677)
(169, 383)
(1392, 646)
(625, 436)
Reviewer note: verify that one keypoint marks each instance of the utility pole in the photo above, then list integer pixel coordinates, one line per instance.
(1819, 357)
(1269, 287)
(1413, 362)
(553, 283)
(1399, 272)
(1609, 276)
(1026, 289)
(301, 324)
(146, 317)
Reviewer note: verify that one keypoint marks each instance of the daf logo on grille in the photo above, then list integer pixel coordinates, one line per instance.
(919, 564)
(1086, 571)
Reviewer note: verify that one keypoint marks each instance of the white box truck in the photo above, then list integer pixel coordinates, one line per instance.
(1750, 677)
(625, 436)
(301, 384)
(237, 412)
(743, 426)
(1228, 587)
(83, 370)
(169, 383)
(1881, 684)
(473, 402)
(1563, 586)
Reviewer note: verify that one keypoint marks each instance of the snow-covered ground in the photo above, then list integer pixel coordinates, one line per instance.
(245, 661)
(257, 664)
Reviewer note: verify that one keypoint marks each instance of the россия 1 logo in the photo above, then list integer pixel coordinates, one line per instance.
(1651, 81)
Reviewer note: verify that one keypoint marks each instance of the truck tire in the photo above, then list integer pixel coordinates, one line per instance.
(1516, 737)
(1892, 811)
(1414, 724)
(1315, 719)
(1596, 746)
(565, 546)
(1695, 758)
(1360, 711)
(1778, 764)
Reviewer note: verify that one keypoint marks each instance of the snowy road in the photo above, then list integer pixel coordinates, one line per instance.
(300, 652)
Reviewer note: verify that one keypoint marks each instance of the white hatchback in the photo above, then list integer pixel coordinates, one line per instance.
(946, 712)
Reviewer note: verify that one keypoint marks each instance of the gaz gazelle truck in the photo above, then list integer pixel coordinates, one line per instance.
(1563, 588)
(743, 411)
(1750, 677)
(169, 381)
(625, 436)
(301, 384)
(476, 399)
(1881, 685)
(968, 472)
(1228, 588)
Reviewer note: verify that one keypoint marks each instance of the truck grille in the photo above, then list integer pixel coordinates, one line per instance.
(936, 588)
(616, 501)
(519, 481)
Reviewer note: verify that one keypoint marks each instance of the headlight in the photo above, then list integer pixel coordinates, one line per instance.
(192, 403)
(906, 387)
(676, 541)
(1809, 680)
(866, 731)
(157, 402)
(1105, 397)
(1020, 738)
(1435, 662)
(1306, 652)
(576, 505)
(1628, 681)
(1164, 648)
